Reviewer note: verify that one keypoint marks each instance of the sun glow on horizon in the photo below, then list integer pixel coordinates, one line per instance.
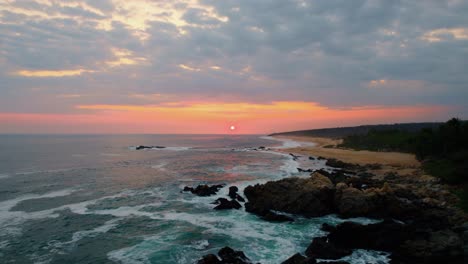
(210, 117)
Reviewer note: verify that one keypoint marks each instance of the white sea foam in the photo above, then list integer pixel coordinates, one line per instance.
(177, 148)
(201, 244)
(10, 221)
(4, 176)
(56, 246)
(289, 143)
(129, 255)
(290, 166)
(362, 256)
(44, 171)
(238, 225)
(159, 166)
(93, 232)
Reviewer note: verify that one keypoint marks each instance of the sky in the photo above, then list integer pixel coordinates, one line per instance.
(202, 66)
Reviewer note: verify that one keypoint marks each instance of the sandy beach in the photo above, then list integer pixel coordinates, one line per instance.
(361, 157)
(403, 164)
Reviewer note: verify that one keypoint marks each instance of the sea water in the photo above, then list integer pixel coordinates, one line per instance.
(96, 199)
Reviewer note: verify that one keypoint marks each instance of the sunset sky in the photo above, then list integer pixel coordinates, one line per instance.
(201, 66)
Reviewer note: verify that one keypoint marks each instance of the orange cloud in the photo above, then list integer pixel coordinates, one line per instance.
(47, 73)
(207, 117)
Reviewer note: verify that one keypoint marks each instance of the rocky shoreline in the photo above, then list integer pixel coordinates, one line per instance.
(419, 222)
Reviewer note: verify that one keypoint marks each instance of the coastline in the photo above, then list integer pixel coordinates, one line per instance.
(361, 157)
(402, 164)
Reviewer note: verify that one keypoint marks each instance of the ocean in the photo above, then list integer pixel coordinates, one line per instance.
(97, 199)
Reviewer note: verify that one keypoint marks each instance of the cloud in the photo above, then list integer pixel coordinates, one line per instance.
(332, 52)
(58, 73)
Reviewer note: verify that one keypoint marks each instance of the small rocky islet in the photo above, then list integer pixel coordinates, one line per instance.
(419, 223)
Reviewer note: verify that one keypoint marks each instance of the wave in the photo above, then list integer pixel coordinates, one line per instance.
(289, 143)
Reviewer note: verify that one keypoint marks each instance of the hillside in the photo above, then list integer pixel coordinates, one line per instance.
(341, 132)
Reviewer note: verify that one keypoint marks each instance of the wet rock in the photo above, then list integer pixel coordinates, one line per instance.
(407, 243)
(188, 189)
(209, 259)
(308, 197)
(311, 158)
(341, 164)
(299, 259)
(234, 195)
(274, 217)
(227, 255)
(444, 246)
(204, 190)
(303, 170)
(322, 248)
(149, 147)
(383, 236)
(295, 157)
(351, 202)
(225, 204)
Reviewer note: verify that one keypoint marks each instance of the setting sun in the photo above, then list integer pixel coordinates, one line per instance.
(232, 128)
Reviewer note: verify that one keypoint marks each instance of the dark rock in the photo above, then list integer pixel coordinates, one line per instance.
(322, 248)
(240, 198)
(299, 259)
(311, 158)
(233, 192)
(362, 183)
(407, 243)
(188, 189)
(321, 158)
(302, 170)
(261, 148)
(444, 246)
(351, 202)
(225, 204)
(204, 190)
(308, 197)
(340, 164)
(209, 259)
(383, 236)
(365, 174)
(273, 217)
(149, 147)
(373, 166)
(327, 227)
(295, 157)
(229, 255)
(234, 195)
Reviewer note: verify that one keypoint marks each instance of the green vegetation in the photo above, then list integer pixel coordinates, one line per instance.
(443, 150)
(380, 140)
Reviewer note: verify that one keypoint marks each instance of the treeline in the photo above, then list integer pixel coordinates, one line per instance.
(443, 149)
(341, 132)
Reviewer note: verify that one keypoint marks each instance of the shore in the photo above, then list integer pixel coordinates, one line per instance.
(403, 164)
(415, 217)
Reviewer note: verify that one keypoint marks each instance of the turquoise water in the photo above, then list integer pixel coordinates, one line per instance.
(95, 199)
